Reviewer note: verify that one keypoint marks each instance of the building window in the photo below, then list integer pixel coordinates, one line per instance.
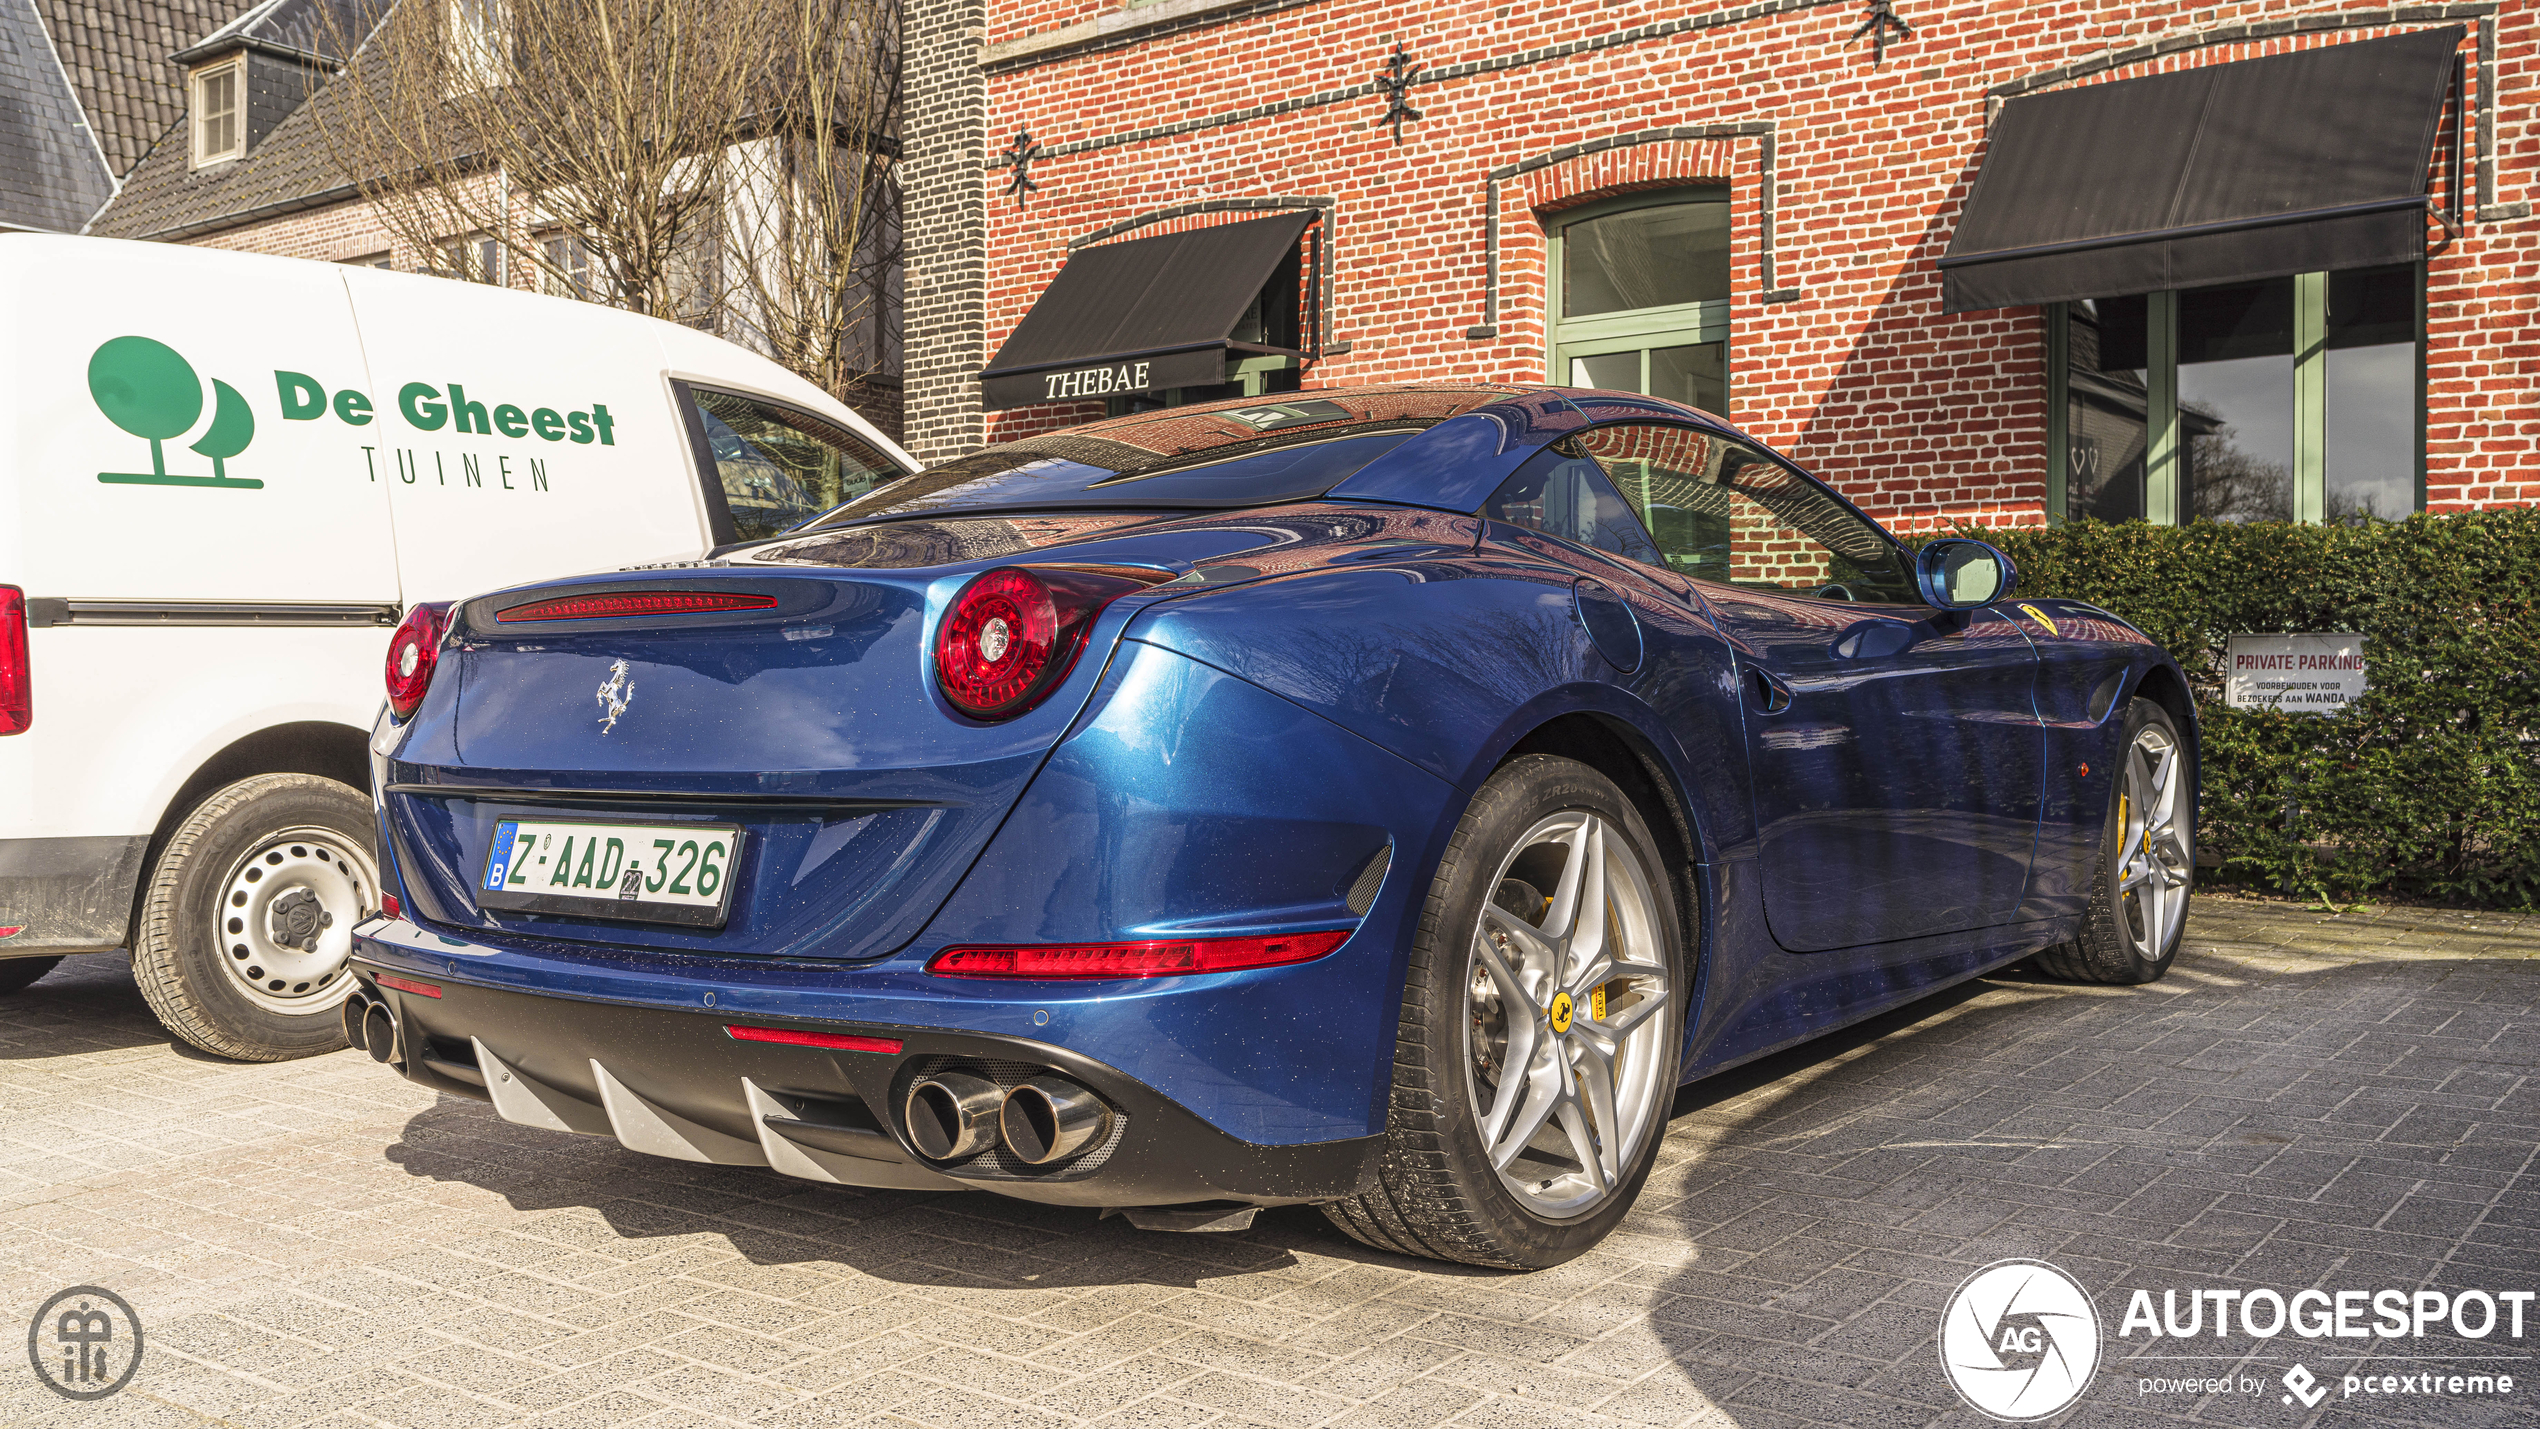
(567, 273)
(1640, 296)
(220, 121)
(369, 260)
(475, 258)
(2287, 399)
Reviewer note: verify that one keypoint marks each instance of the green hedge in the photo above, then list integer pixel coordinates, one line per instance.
(2428, 786)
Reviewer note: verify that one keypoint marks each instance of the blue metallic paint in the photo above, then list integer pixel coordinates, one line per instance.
(1319, 681)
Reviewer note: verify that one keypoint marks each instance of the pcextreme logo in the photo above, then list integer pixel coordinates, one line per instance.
(2019, 1340)
(148, 388)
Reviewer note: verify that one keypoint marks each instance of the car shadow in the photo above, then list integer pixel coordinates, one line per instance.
(87, 1004)
(2259, 1118)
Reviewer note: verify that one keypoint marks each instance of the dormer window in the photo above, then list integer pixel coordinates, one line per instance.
(220, 120)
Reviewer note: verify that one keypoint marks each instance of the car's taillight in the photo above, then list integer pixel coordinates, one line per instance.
(1013, 633)
(17, 682)
(412, 652)
(1174, 957)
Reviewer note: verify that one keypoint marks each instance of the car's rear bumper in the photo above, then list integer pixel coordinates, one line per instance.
(674, 1082)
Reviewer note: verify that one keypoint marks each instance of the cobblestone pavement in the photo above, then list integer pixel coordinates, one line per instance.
(2307, 1100)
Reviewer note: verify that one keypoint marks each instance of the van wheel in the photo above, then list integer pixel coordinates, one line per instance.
(249, 917)
(19, 974)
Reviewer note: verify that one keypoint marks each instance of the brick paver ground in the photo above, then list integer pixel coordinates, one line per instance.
(2307, 1100)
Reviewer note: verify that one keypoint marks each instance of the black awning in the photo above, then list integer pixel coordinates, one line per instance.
(1144, 315)
(2294, 163)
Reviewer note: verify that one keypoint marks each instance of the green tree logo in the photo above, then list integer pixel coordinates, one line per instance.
(149, 389)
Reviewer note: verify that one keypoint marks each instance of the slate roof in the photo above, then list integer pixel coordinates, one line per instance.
(118, 55)
(284, 172)
(298, 27)
(51, 175)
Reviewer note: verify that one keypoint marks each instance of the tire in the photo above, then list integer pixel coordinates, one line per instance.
(2146, 865)
(249, 914)
(1440, 1192)
(19, 974)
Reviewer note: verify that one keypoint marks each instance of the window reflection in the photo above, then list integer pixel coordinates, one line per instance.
(1645, 258)
(2372, 393)
(2235, 401)
(2105, 409)
(1696, 375)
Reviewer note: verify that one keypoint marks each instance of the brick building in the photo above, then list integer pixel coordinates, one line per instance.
(2239, 260)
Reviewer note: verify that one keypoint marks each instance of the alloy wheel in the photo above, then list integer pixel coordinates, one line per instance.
(1563, 1063)
(287, 911)
(2153, 861)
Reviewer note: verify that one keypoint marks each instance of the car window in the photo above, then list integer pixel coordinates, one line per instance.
(1721, 510)
(778, 467)
(1561, 490)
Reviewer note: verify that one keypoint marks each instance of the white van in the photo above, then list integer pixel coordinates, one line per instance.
(223, 478)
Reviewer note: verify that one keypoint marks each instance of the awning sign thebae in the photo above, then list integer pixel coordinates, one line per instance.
(1096, 381)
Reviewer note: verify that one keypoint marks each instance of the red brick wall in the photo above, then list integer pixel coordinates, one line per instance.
(1924, 419)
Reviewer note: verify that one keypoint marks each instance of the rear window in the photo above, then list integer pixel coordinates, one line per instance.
(776, 466)
(1246, 452)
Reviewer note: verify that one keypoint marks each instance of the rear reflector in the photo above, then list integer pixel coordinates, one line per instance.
(836, 1041)
(405, 984)
(617, 605)
(1174, 958)
(389, 906)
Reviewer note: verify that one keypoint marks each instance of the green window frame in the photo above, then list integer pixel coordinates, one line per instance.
(2162, 457)
(1634, 330)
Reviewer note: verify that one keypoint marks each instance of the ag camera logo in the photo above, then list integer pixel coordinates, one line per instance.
(2019, 1340)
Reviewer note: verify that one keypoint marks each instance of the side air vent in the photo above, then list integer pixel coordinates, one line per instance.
(1362, 893)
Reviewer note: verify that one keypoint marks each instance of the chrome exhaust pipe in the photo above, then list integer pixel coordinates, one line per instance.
(1048, 1119)
(379, 1033)
(355, 1007)
(951, 1115)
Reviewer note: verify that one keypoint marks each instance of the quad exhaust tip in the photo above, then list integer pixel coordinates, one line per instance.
(952, 1115)
(1049, 1119)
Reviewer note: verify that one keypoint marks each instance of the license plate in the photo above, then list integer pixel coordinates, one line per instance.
(654, 873)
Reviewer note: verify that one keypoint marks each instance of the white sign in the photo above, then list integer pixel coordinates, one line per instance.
(2320, 674)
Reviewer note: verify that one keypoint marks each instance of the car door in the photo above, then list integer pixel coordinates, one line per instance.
(1894, 749)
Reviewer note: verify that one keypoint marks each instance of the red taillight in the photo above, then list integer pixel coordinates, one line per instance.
(839, 1041)
(411, 654)
(390, 907)
(17, 682)
(613, 605)
(1178, 957)
(1013, 633)
(407, 984)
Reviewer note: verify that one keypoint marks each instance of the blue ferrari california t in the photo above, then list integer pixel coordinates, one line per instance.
(1381, 799)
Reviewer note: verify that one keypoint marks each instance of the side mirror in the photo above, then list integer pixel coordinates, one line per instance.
(1958, 574)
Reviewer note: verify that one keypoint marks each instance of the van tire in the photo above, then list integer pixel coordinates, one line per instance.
(180, 944)
(19, 974)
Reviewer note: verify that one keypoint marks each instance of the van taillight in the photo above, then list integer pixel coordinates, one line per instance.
(17, 682)
(411, 653)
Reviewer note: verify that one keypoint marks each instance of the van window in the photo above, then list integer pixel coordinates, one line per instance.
(776, 466)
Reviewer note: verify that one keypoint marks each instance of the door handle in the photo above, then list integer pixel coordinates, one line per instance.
(1770, 695)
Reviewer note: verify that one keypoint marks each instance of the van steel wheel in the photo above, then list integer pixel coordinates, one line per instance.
(250, 914)
(2147, 862)
(1542, 1020)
